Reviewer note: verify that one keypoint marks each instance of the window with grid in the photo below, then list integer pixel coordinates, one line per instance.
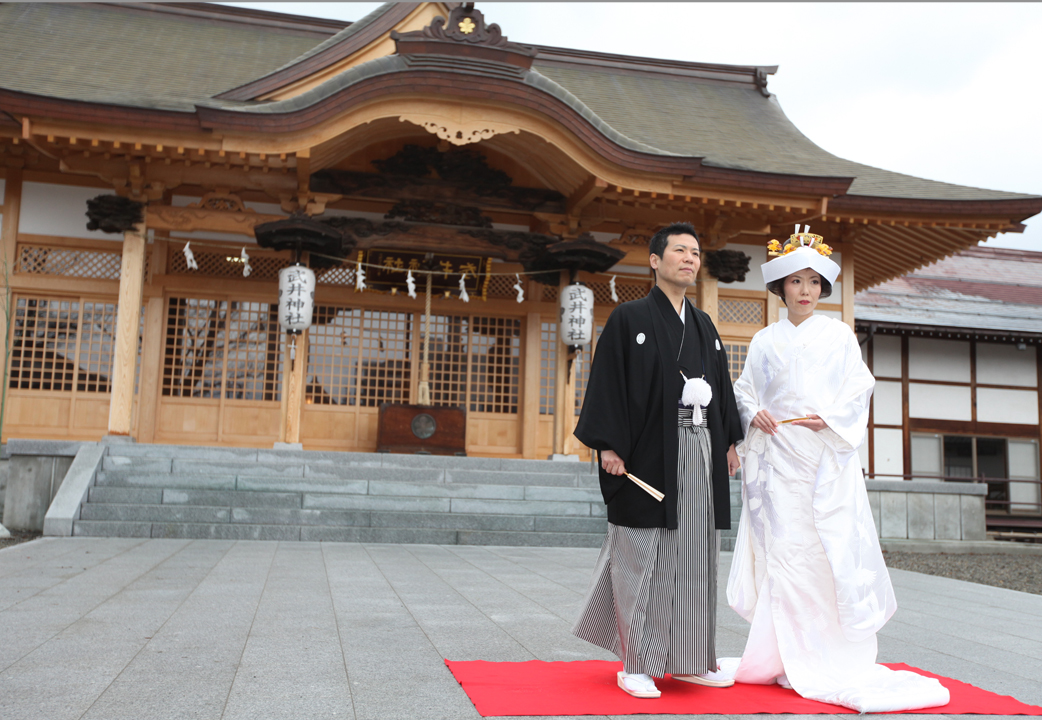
(736, 353)
(219, 345)
(740, 311)
(495, 364)
(62, 344)
(358, 357)
(384, 363)
(547, 367)
(447, 355)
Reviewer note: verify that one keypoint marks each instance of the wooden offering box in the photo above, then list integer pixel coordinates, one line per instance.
(422, 429)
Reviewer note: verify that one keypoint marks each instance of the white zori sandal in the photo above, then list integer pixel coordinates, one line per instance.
(639, 686)
(717, 679)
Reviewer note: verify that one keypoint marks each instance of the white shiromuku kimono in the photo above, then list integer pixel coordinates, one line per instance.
(808, 573)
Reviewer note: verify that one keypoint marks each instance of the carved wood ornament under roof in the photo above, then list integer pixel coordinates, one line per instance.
(465, 38)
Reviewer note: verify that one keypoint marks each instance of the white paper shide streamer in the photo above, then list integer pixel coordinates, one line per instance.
(410, 284)
(296, 298)
(360, 278)
(611, 286)
(190, 257)
(520, 290)
(245, 262)
(463, 288)
(576, 323)
(697, 395)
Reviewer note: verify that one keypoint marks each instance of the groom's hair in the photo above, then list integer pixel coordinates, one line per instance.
(659, 241)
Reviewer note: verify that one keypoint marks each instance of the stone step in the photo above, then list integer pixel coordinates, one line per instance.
(210, 475)
(125, 454)
(242, 531)
(130, 513)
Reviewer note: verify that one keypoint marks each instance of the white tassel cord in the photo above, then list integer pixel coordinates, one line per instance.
(697, 394)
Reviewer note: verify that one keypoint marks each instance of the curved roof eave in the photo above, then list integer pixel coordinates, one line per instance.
(344, 43)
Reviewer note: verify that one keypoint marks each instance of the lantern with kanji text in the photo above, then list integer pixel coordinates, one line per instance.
(296, 298)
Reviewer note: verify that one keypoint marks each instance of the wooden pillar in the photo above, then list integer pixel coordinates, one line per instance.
(569, 443)
(530, 402)
(773, 308)
(561, 380)
(847, 275)
(293, 388)
(151, 362)
(128, 319)
(707, 294)
(12, 207)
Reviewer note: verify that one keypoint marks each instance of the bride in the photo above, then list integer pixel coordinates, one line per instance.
(808, 573)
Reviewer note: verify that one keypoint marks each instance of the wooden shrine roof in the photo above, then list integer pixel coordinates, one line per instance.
(181, 57)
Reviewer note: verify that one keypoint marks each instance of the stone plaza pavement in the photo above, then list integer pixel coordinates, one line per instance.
(140, 629)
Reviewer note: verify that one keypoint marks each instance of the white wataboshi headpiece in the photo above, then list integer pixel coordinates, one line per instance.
(802, 250)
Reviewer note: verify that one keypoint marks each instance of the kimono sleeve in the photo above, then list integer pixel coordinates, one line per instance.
(604, 419)
(847, 415)
(745, 393)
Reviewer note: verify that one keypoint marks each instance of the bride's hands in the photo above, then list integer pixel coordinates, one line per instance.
(764, 421)
(812, 422)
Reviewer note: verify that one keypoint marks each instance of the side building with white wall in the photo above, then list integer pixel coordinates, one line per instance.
(954, 348)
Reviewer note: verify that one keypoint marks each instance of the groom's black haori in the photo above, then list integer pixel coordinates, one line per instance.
(631, 407)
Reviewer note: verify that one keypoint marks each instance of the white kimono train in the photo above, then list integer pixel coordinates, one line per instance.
(808, 573)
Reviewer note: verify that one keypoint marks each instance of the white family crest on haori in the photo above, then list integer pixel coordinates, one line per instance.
(640, 338)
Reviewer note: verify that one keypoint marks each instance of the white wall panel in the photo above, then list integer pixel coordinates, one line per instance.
(59, 210)
(1007, 406)
(888, 449)
(930, 359)
(886, 356)
(1005, 365)
(886, 403)
(939, 402)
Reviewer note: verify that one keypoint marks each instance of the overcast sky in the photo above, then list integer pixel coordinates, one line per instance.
(945, 91)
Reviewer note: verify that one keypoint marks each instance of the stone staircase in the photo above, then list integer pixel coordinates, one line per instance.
(166, 491)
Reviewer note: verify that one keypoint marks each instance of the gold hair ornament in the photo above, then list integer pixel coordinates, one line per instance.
(796, 241)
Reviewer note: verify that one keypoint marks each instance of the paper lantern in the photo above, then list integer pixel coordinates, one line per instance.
(576, 324)
(296, 298)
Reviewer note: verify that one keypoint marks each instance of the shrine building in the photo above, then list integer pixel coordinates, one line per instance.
(416, 148)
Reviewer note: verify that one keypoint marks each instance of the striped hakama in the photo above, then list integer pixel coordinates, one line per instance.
(652, 600)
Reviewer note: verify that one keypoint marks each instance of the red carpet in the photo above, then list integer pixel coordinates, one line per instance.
(589, 688)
